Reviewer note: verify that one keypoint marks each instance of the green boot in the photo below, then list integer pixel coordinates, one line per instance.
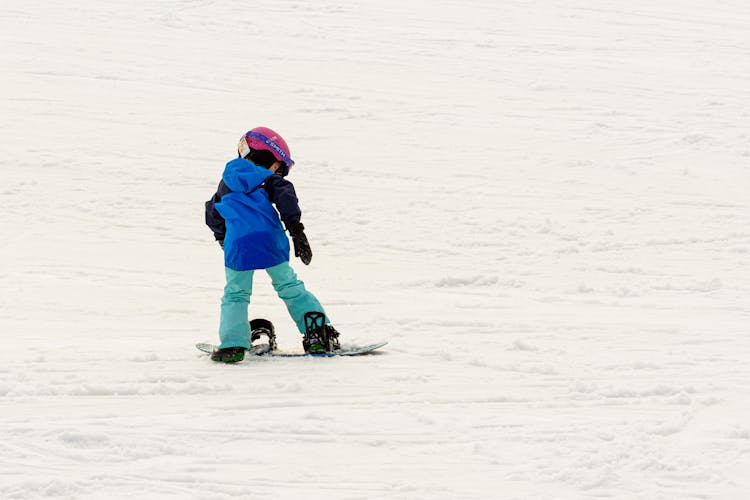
(229, 355)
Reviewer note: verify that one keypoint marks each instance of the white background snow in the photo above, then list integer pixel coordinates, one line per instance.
(543, 206)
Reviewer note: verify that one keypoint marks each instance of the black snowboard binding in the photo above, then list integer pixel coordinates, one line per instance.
(260, 327)
(319, 337)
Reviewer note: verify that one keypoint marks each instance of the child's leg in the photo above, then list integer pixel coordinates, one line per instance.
(234, 330)
(292, 291)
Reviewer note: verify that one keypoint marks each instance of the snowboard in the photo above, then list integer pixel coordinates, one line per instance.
(266, 351)
(260, 328)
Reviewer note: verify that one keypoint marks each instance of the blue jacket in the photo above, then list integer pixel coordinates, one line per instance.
(242, 214)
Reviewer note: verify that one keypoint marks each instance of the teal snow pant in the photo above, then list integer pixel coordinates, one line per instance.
(234, 329)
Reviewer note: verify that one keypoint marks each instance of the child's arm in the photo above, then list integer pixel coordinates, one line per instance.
(281, 193)
(214, 220)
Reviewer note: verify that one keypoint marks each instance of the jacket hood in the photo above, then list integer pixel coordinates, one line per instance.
(241, 175)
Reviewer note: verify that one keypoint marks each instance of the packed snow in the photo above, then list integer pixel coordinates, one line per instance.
(542, 206)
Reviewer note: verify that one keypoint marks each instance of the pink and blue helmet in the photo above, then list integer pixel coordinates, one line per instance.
(261, 138)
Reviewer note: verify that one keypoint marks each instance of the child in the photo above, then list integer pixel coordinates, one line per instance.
(242, 217)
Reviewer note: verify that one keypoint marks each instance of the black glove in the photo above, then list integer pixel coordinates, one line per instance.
(301, 245)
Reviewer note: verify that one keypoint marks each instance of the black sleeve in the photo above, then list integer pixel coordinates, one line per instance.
(214, 220)
(281, 193)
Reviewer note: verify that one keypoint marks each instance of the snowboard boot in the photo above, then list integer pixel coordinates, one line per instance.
(229, 355)
(319, 337)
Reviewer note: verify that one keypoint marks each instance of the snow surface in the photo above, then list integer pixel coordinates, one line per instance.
(543, 206)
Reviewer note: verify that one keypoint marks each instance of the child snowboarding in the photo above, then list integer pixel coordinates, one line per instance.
(242, 216)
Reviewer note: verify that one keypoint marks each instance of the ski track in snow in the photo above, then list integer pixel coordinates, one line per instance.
(543, 207)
